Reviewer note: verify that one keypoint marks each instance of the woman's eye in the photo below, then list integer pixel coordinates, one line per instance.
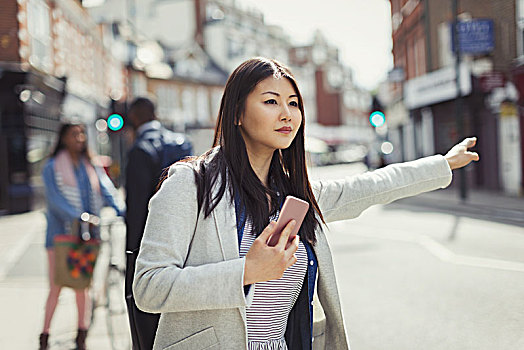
(270, 102)
(293, 103)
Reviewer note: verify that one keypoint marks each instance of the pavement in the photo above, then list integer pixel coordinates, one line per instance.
(23, 268)
(24, 288)
(480, 204)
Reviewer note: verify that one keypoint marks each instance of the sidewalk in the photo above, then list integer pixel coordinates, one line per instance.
(23, 268)
(492, 206)
(24, 287)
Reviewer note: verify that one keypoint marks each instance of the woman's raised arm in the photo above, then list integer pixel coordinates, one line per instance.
(348, 198)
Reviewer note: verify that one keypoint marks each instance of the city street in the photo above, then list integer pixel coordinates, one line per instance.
(417, 279)
(126, 88)
(410, 278)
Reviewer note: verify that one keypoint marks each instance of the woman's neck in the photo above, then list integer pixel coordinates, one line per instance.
(75, 157)
(260, 164)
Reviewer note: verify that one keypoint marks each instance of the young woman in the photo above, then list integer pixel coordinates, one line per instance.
(204, 262)
(73, 185)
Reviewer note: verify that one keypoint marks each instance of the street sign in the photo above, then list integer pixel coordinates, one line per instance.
(475, 36)
(436, 86)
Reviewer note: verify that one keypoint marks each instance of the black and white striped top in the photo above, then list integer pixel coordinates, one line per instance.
(268, 313)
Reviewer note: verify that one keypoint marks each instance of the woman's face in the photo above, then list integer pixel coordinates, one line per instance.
(75, 139)
(271, 116)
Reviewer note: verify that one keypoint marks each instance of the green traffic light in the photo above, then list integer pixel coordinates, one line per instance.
(115, 122)
(377, 119)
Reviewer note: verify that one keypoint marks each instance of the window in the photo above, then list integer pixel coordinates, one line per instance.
(520, 28)
(188, 106)
(39, 31)
(410, 59)
(396, 21)
(163, 101)
(446, 56)
(203, 106)
(420, 57)
(234, 48)
(395, 6)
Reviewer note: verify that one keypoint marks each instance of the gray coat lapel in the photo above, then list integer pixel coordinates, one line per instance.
(225, 218)
(328, 296)
(225, 221)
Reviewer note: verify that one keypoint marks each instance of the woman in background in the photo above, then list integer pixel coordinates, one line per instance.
(73, 185)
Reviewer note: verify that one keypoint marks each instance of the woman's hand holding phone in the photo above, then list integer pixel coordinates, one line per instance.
(264, 262)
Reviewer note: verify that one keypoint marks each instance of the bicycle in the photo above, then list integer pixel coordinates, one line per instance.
(109, 293)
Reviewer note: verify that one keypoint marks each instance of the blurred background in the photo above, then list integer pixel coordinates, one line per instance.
(86, 60)
(380, 81)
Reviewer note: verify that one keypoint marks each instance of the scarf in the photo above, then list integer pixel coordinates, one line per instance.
(68, 185)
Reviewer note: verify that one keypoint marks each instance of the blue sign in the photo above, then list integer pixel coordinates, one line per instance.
(475, 36)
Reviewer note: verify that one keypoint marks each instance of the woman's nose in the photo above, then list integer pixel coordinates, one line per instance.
(286, 114)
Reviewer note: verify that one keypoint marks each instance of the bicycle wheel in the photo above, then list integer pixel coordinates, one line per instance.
(117, 321)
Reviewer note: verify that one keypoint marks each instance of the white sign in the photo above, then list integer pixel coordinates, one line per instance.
(437, 86)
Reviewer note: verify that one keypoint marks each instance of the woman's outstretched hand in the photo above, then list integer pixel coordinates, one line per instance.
(263, 262)
(459, 156)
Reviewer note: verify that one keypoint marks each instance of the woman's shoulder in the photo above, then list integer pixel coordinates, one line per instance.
(194, 165)
(181, 169)
(48, 165)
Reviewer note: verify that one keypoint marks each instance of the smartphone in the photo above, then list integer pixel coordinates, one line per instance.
(293, 209)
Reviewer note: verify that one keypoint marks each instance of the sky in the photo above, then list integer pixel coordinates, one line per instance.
(361, 29)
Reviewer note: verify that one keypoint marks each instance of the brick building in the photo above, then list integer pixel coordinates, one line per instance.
(54, 64)
(337, 110)
(422, 49)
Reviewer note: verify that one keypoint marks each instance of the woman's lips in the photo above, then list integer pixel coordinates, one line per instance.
(284, 130)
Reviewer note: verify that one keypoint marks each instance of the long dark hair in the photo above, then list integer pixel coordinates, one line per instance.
(287, 173)
(60, 145)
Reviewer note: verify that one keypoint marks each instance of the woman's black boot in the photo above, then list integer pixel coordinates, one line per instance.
(81, 339)
(44, 337)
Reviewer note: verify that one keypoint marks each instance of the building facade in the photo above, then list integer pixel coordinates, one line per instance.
(55, 66)
(430, 120)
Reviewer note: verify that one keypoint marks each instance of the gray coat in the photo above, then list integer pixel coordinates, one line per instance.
(189, 269)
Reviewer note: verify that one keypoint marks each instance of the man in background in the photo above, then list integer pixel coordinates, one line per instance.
(155, 148)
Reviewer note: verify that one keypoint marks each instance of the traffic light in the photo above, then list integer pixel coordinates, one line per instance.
(115, 121)
(377, 118)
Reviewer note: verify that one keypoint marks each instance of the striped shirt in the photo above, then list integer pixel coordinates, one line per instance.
(272, 301)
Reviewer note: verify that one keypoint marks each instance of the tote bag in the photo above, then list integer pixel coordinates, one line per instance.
(75, 257)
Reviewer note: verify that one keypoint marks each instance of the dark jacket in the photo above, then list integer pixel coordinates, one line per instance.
(155, 149)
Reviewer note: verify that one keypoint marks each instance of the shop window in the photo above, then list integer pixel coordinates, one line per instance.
(520, 28)
(39, 30)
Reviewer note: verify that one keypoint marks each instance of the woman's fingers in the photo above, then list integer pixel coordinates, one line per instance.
(469, 142)
(284, 236)
(459, 156)
(267, 232)
(473, 155)
(291, 261)
(264, 262)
